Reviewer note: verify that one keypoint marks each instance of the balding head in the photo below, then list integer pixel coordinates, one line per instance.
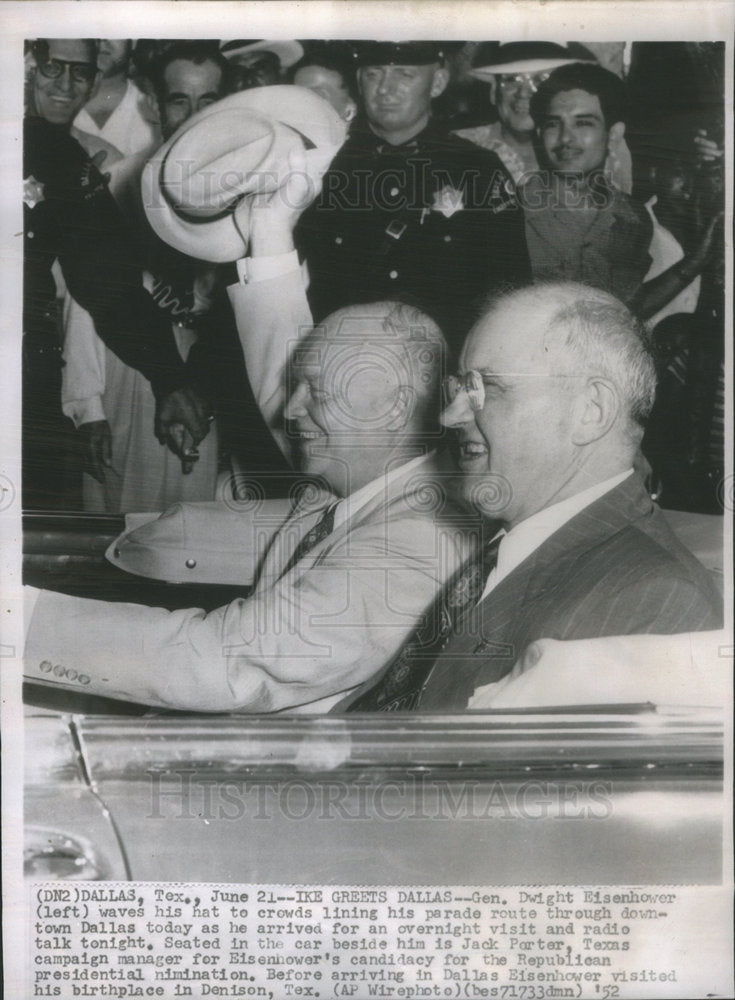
(568, 381)
(587, 331)
(364, 392)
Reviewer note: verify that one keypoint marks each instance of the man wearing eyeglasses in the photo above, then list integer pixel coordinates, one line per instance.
(65, 73)
(555, 384)
(71, 218)
(514, 72)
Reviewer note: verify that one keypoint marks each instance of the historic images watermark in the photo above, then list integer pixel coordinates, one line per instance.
(184, 794)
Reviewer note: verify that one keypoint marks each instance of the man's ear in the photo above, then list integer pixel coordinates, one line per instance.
(439, 81)
(493, 84)
(616, 134)
(597, 408)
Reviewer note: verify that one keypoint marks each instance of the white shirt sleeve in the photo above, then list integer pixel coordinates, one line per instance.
(253, 269)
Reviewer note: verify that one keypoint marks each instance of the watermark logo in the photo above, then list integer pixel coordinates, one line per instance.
(184, 795)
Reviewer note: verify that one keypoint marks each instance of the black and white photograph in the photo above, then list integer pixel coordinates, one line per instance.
(366, 499)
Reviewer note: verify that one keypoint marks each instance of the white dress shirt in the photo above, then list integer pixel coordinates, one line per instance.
(349, 506)
(518, 543)
(129, 128)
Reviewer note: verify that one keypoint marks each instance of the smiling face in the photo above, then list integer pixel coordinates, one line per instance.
(59, 97)
(513, 92)
(516, 453)
(350, 400)
(574, 135)
(398, 98)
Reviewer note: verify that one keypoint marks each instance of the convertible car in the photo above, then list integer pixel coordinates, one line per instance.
(614, 794)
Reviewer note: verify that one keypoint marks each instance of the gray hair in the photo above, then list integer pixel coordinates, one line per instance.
(603, 337)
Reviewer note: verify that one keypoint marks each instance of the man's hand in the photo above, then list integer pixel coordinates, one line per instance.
(273, 216)
(97, 448)
(183, 419)
(693, 264)
(707, 150)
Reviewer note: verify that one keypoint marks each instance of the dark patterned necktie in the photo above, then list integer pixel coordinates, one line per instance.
(398, 689)
(313, 536)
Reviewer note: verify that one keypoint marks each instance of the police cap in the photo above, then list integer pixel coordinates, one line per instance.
(398, 53)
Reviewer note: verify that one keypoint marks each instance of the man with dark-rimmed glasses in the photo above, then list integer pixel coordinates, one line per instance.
(71, 218)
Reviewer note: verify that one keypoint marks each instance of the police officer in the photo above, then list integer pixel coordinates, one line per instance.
(71, 217)
(408, 210)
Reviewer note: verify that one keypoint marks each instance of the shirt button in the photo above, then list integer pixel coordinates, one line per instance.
(31, 235)
(447, 239)
(338, 240)
(393, 275)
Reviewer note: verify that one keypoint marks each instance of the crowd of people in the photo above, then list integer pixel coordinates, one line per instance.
(253, 267)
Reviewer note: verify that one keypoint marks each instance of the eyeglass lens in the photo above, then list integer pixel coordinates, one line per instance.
(471, 383)
(516, 80)
(80, 72)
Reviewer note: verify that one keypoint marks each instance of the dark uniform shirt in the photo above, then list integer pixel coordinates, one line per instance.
(70, 216)
(433, 221)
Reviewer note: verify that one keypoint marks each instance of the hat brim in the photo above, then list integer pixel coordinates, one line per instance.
(488, 73)
(288, 53)
(218, 239)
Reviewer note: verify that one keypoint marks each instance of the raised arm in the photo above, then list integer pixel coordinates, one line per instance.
(269, 300)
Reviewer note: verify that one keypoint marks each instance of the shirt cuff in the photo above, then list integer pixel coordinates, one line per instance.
(252, 269)
(84, 411)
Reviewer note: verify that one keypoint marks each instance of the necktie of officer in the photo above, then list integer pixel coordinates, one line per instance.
(398, 689)
(317, 533)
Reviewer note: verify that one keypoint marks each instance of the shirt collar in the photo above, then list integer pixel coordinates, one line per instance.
(529, 535)
(349, 506)
(362, 135)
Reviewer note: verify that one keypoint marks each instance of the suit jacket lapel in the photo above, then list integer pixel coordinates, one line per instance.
(304, 517)
(492, 638)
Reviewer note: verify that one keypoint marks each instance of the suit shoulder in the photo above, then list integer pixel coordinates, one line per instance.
(647, 570)
(654, 533)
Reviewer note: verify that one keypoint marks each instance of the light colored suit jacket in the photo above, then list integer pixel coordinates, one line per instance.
(327, 624)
